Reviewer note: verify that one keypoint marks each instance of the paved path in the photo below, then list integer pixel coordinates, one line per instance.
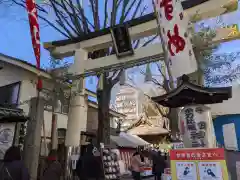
(129, 177)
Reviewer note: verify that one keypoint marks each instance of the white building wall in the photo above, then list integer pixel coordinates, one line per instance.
(230, 106)
(61, 122)
(27, 91)
(11, 74)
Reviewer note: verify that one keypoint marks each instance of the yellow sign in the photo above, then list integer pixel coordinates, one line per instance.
(234, 30)
(198, 164)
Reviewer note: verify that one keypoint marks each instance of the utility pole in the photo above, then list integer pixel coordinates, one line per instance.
(32, 141)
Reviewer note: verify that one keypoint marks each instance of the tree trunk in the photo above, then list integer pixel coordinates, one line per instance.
(103, 97)
(173, 116)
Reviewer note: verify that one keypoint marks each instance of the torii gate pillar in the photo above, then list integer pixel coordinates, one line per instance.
(77, 119)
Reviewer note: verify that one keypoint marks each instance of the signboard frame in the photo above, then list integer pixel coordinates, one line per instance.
(196, 159)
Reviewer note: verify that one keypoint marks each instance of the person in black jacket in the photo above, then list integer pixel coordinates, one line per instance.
(12, 167)
(158, 165)
(88, 165)
(54, 169)
(79, 169)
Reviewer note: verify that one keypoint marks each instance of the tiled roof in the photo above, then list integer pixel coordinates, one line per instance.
(145, 129)
(12, 115)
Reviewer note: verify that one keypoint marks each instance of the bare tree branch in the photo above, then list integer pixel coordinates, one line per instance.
(74, 18)
(114, 13)
(159, 66)
(150, 40)
(106, 14)
(61, 19)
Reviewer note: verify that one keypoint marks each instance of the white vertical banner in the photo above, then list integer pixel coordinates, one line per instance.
(230, 137)
(196, 127)
(173, 26)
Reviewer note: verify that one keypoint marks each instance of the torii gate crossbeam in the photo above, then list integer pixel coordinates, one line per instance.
(138, 28)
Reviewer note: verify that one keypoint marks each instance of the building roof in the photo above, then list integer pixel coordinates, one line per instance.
(12, 115)
(122, 142)
(188, 93)
(144, 127)
(25, 65)
(128, 141)
(146, 130)
(32, 68)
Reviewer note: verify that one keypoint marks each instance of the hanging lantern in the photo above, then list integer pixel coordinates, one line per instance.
(122, 78)
(100, 82)
(148, 75)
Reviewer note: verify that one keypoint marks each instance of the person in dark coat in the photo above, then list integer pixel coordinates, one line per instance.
(89, 165)
(12, 167)
(158, 165)
(53, 170)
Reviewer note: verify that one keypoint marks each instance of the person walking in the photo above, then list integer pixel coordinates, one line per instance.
(158, 164)
(136, 165)
(89, 165)
(53, 170)
(12, 167)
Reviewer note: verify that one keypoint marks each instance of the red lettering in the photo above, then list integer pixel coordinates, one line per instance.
(168, 8)
(176, 41)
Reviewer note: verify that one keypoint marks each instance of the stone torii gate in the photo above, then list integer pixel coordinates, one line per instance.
(139, 28)
(80, 47)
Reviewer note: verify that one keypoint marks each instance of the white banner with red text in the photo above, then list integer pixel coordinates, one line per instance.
(196, 127)
(174, 29)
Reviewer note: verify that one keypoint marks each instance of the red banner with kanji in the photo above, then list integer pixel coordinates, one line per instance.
(34, 28)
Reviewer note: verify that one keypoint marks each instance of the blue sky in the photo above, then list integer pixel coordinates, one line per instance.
(16, 40)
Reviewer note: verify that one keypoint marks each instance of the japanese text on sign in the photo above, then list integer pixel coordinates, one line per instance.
(191, 126)
(173, 27)
(168, 8)
(197, 130)
(175, 39)
(197, 154)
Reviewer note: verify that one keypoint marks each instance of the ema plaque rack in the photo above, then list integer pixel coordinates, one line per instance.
(111, 169)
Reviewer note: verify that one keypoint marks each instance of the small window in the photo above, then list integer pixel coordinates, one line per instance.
(61, 132)
(65, 109)
(10, 94)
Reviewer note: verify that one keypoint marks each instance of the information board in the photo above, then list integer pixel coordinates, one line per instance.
(198, 164)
